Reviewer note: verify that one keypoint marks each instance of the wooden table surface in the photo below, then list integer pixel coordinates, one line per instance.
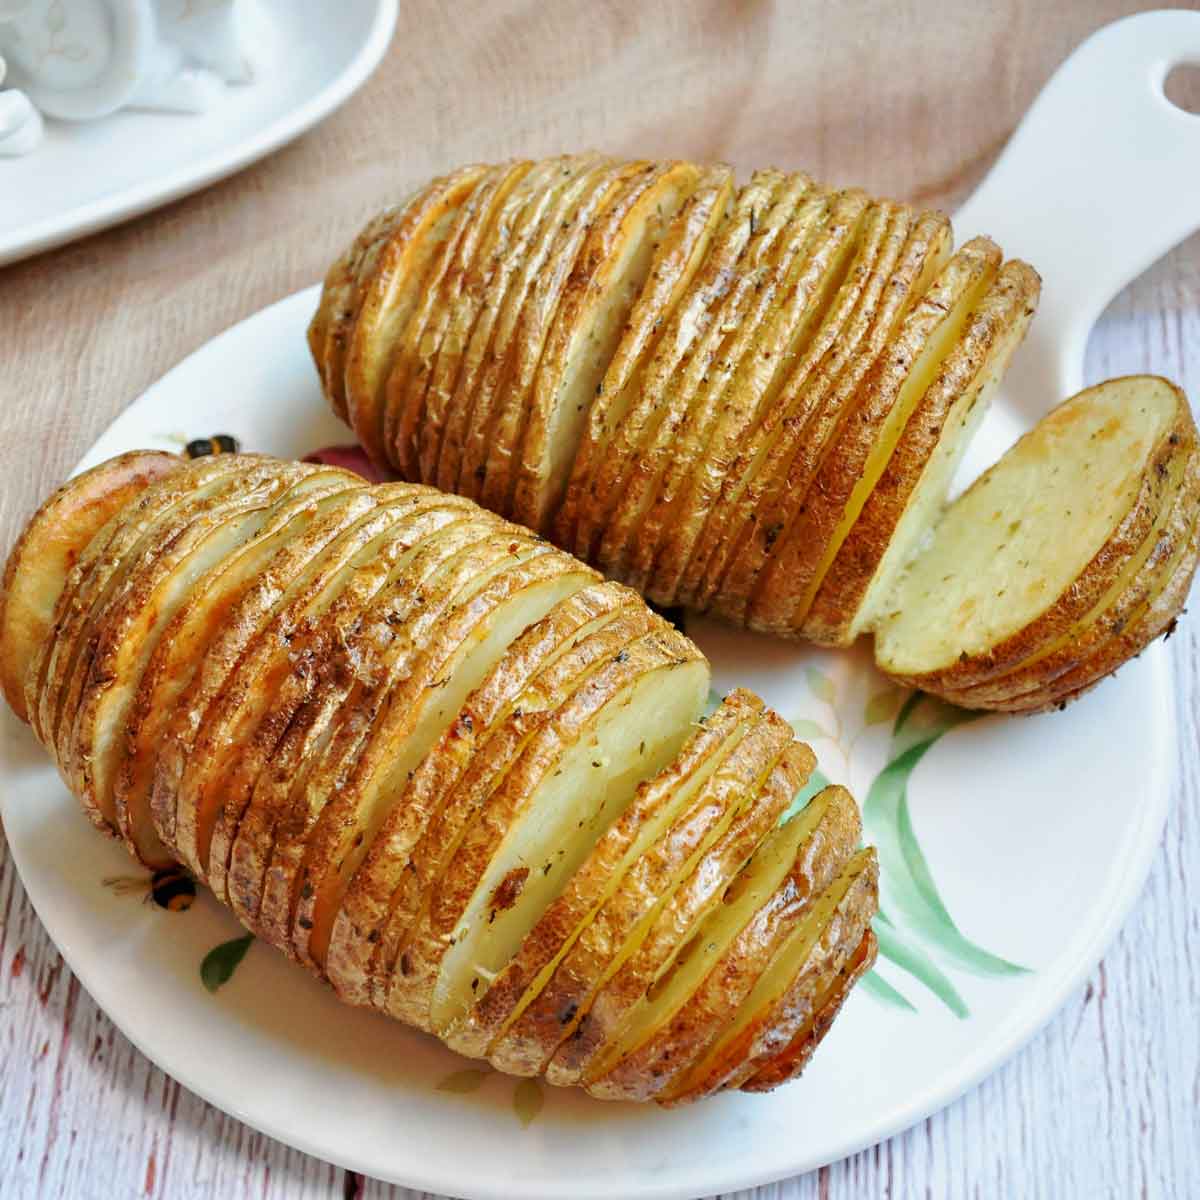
(911, 98)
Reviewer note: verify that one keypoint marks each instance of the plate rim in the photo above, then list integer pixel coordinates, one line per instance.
(92, 216)
(1005, 1041)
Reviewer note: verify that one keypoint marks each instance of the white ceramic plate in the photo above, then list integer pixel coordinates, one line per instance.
(87, 176)
(1011, 851)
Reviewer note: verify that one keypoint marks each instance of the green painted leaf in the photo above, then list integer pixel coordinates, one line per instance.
(908, 882)
(897, 949)
(883, 706)
(527, 1101)
(56, 17)
(462, 1083)
(875, 985)
(221, 961)
(820, 684)
(816, 782)
(808, 729)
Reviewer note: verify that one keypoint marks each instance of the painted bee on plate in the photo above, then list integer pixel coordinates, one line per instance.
(220, 443)
(171, 888)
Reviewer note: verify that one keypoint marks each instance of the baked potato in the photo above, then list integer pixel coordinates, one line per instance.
(750, 401)
(440, 763)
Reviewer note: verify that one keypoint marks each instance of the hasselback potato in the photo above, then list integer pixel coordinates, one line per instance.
(442, 764)
(751, 401)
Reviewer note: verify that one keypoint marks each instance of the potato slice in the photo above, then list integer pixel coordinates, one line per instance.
(480, 631)
(555, 213)
(341, 295)
(406, 536)
(790, 1062)
(631, 720)
(287, 572)
(610, 274)
(718, 805)
(792, 306)
(185, 642)
(554, 262)
(541, 195)
(698, 1019)
(131, 623)
(911, 248)
(998, 582)
(241, 731)
(487, 265)
(913, 487)
(652, 826)
(677, 258)
(639, 405)
(776, 775)
(394, 873)
(794, 862)
(670, 433)
(789, 992)
(786, 568)
(227, 695)
(52, 541)
(1141, 605)
(406, 968)
(870, 429)
(805, 211)
(412, 364)
(389, 298)
(746, 484)
(86, 584)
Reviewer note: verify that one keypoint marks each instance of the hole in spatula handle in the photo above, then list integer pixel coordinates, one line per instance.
(1182, 87)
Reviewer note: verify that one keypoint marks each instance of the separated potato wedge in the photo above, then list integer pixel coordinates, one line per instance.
(796, 862)
(783, 768)
(423, 824)
(677, 258)
(912, 489)
(998, 582)
(53, 541)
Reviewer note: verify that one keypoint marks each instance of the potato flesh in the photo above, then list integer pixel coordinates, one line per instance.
(593, 349)
(650, 832)
(999, 558)
(783, 971)
(747, 894)
(462, 674)
(921, 375)
(656, 712)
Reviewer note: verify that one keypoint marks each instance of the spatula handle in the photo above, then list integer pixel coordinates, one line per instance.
(1101, 178)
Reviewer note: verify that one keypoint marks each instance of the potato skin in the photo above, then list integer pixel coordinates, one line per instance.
(51, 543)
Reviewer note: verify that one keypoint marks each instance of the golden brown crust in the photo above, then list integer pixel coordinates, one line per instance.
(384, 883)
(677, 259)
(772, 592)
(791, 1061)
(780, 768)
(51, 543)
(955, 401)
